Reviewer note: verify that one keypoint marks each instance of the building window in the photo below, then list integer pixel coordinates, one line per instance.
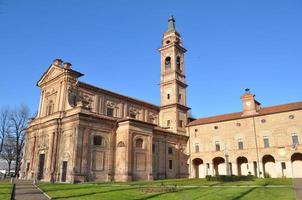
(170, 164)
(217, 146)
(139, 143)
(170, 150)
(168, 123)
(97, 140)
(263, 121)
(110, 112)
(133, 115)
(265, 142)
(196, 148)
(178, 63)
(179, 97)
(215, 127)
(153, 148)
(50, 107)
(291, 117)
(168, 63)
(240, 143)
(168, 96)
(283, 165)
(180, 123)
(295, 139)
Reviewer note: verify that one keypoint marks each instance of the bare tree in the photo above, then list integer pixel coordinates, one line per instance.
(18, 119)
(4, 125)
(9, 151)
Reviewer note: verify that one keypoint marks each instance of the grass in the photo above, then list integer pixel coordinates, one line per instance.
(5, 189)
(132, 190)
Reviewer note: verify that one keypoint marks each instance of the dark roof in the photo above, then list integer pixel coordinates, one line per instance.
(238, 115)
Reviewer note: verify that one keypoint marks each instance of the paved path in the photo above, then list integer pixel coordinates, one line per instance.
(25, 190)
(298, 188)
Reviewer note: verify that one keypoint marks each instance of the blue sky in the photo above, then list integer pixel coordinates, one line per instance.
(231, 45)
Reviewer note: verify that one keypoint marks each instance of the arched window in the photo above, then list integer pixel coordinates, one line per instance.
(168, 62)
(139, 143)
(178, 63)
(98, 140)
(50, 107)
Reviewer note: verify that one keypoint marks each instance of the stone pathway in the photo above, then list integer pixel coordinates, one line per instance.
(25, 190)
(298, 188)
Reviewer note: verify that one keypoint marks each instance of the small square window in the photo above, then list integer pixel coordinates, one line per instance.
(180, 123)
(217, 146)
(266, 142)
(196, 148)
(240, 144)
(170, 150)
(295, 139)
(110, 112)
(132, 115)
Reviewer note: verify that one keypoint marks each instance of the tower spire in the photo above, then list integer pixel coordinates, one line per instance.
(171, 24)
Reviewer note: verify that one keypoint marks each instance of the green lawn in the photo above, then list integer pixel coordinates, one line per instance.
(133, 190)
(5, 189)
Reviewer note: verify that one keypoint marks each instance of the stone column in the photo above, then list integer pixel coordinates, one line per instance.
(49, 156)
(261, 170)
(235, 168)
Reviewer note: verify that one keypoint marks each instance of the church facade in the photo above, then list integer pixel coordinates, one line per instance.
(86, 133)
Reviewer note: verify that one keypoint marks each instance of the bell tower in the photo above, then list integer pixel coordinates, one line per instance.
(173, 107)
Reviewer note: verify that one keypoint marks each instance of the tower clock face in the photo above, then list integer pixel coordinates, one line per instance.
(248, 103)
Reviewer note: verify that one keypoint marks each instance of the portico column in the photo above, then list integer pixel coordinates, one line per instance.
(261, 170)
(212, 169)
(235, 168)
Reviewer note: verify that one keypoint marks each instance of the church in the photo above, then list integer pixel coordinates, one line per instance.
(86, 133)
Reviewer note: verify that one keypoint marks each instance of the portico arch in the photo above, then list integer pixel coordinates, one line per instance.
(242, 164)
(296, 160)
(269, 168)
(196, 162)
(219, 166)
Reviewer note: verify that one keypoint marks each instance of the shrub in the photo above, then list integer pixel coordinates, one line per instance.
(267, 175)
(225, 178)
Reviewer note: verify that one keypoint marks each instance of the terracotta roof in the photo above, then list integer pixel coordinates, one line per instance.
(238, 115)
(127, 98)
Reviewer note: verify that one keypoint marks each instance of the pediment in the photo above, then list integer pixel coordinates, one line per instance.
(51, 73)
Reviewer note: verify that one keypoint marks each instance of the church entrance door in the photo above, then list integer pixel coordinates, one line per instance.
(64, 171)
(41, 166)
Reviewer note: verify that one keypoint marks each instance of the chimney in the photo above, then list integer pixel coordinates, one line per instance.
(58, 62)
(249, 104)
(67, 65)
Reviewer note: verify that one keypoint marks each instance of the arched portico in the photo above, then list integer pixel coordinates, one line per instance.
(219, 166)
(296, 160)
(196, 162)
(242, 166)
(269, 167)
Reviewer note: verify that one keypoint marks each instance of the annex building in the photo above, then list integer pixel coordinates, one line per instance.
(86, 133)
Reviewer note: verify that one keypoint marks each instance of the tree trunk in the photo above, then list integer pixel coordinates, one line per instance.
(2, 141)
(9, 166)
